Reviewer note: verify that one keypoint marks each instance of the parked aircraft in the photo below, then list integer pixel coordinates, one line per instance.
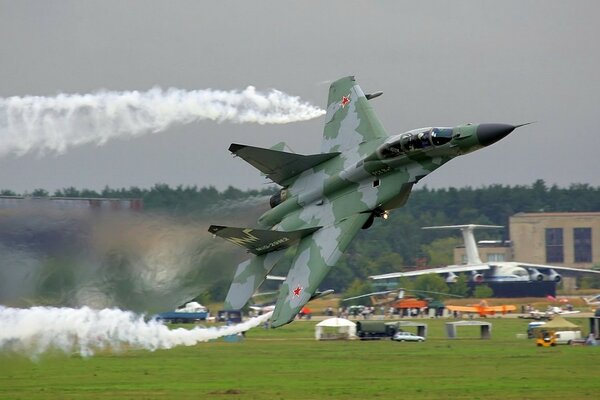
(390, 296)
(326, 198)
(593, 300)
(262, 308)
(269, 304)
(497, 271)
(483, 309)
(550, 311)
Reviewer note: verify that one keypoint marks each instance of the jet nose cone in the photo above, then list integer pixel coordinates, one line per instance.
(488, 134)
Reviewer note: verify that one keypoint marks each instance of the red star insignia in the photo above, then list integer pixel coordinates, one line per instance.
(297, 291)
(345, 101)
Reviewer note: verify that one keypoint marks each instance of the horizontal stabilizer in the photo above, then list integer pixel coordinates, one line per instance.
(260, 241)
(279, 166)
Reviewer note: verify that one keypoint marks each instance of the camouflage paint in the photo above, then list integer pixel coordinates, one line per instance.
(373, 173)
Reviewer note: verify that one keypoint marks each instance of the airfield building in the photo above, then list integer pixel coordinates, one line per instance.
(557, 238)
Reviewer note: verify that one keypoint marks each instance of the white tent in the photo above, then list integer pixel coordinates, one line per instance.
(335, 328)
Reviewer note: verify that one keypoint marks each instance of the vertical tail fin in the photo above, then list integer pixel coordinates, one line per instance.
(469, 239)
(350, 119)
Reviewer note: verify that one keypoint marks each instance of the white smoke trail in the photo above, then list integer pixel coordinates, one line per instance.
(39, 329)
(53, 124)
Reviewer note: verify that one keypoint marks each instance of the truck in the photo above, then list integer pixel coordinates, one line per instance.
(567, 337)
(549, 338)
(375, 330)
(190, 313)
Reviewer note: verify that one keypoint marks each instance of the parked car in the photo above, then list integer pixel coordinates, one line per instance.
(407, 337)
(367, 330)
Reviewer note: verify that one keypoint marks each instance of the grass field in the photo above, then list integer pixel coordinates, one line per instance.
(287, 363)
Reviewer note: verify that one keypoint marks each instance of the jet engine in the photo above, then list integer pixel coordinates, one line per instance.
(552, 275)
(477, 278)
(451, 277)
(535, 275)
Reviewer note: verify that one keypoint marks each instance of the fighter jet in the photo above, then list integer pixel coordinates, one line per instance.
(325, 199)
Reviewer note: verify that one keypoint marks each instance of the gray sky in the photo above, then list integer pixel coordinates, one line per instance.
(438, 63)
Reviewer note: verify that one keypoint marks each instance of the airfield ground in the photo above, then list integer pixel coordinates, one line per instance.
(287, 363)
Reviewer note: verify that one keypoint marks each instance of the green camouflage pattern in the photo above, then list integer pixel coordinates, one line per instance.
(363, 174)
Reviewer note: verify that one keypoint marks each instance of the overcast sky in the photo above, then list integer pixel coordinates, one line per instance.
(438, 63)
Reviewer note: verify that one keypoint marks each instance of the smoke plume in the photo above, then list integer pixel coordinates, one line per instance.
(53, 124)
(144, 262)
(84, 330)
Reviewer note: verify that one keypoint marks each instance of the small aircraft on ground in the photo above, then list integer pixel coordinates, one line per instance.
(386, 297)
(552, 310)
(483, 309)
(262, 308)
(326, 198)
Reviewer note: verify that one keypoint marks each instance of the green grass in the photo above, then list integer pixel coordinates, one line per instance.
(287, 363)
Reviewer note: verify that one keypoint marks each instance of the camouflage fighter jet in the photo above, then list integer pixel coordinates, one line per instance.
(360, 174)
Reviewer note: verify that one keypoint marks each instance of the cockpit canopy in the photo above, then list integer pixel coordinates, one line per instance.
(415, 140)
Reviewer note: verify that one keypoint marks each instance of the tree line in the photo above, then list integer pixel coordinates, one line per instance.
(390, 245)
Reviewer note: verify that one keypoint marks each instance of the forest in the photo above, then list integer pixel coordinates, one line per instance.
(392, 245)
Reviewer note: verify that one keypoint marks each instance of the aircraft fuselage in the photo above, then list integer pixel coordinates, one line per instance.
(378, 175)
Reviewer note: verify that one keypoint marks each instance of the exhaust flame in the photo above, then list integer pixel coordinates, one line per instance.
(53, 124)
(40, 329)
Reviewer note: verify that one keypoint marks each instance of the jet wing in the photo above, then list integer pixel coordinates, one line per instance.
(369, 295)
(483, 309)
(565, 270)
(501, 309)
(279, 166)
(442, 270)
(350, 119)
(462, 308)
(314, 258)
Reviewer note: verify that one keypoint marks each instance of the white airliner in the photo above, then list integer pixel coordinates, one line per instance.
(497, 271)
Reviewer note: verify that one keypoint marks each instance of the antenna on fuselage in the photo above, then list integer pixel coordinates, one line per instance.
(468, 238)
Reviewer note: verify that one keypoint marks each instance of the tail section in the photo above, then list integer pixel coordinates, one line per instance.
(250, 274)
(469, 239)
(350, 119)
